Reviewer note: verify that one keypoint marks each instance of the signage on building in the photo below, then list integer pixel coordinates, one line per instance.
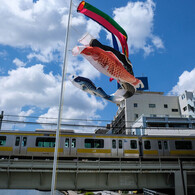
(145, 82)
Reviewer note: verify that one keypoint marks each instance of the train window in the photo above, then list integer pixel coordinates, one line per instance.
(94, 143)
(17, 142)
(24, 141)
(113, 143)
(147, 144)
(159, 145)
(2, 140)
(165, 145)
(99, 143)
(88, 143)
(67, 143)
(187, 145)
(133, 144)
(120, 144)
(73, 143)
(45, 142)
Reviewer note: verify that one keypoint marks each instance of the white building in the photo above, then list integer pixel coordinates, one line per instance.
(187, 104)
(147, 125)
(153, 105)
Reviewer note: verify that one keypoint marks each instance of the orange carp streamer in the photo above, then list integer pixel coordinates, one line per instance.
(107, 63)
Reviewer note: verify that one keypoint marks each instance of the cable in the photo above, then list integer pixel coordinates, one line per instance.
(97, 120)
(65, 119)
(119, 128)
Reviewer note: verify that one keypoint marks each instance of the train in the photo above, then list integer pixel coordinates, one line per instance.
(41, 144)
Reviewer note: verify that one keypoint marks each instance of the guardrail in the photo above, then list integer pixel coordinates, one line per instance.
(95, 175)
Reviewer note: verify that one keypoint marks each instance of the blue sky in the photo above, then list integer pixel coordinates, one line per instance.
(161, 43)
(160, 38)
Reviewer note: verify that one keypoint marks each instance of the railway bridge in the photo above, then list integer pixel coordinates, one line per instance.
(176, 176)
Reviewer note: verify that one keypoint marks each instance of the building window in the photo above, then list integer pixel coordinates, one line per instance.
(152, 105)
(135, 105)
(174, 110)
(185, 108)
(165, 106)
(183, 96)
(136, 116)
(190, 108)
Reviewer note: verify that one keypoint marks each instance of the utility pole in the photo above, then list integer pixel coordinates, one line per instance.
(1, 119)
(53, 183)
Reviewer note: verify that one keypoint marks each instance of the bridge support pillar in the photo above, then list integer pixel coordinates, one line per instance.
(180, 184)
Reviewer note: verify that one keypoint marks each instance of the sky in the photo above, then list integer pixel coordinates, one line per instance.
(32, 37)
(161, 43)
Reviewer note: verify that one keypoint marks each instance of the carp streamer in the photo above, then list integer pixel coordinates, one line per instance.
(109, 61)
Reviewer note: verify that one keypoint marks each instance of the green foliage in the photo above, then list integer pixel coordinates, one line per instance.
(89, 193)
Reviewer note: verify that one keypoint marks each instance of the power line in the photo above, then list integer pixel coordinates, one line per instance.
(36, 117)
(66, 119)
(82, 125)
(52, 124)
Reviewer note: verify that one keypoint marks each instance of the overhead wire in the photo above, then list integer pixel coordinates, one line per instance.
(71, 119)
(79, 125)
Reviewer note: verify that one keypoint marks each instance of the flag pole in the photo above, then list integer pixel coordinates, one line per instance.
(53, 183)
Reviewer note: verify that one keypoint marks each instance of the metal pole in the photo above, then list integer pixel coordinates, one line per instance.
(1, 119)
(182, 176)
(53, 183)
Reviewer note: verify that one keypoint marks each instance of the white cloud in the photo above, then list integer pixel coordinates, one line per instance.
(137, 18)
(94, 28)
(40, 26)
(82, 68)
(41, 57)
(18, 62)
(27, 86)
(186, 82)
(31, 87)
(26, 113)
(157, 42)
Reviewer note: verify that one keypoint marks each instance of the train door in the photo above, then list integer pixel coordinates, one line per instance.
(114, 148)
(166, 148)
(70, 146)
(117, 147)
(67, 147)
(163, 148)
(20, 145)
(120, 147)
(73, 146)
